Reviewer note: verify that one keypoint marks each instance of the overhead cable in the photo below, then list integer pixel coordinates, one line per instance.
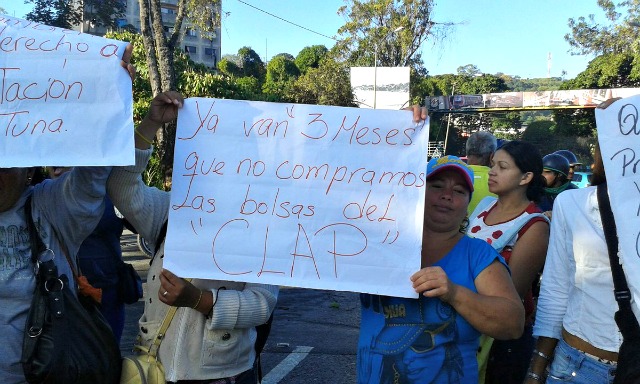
(287, 21)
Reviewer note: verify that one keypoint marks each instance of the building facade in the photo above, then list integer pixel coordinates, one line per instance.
(200, 50)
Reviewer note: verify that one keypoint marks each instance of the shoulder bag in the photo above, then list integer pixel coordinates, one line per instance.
(67, 340)
(628, 370)
(144, 367)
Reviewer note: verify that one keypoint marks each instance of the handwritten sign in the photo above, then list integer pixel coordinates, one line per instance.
(619, 138)
(64, 98)
(297, 195)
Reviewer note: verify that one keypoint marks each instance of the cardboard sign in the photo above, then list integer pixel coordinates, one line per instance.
(619, 138)
(297, 195)
(64, 98)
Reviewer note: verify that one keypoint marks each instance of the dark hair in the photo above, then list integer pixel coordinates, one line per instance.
(39, 175)
(597, 168)
(528, 159)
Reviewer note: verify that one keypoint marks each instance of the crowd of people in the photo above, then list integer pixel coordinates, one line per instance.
(507, 292)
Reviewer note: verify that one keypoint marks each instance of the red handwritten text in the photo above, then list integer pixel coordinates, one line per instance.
(36, 126)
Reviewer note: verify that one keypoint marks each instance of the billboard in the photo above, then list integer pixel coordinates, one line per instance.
(380, 87)
(578, 98)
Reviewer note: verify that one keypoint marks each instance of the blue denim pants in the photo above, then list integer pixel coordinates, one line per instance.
(572, 366)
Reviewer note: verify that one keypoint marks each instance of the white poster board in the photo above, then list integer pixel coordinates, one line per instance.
(381, 87)
(619, 138)
(297, 195)
(64, 98)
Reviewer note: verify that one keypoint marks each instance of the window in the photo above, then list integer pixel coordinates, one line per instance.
(190, 49)
(168, 11)
(190, 32)
(209, 52)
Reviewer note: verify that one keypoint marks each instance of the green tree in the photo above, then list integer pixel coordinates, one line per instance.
(329, 84)
(70, 13)
(282, 68)
(281, 73)
(394, 30)
(287, 56)
(469, 70)
(310, 57)
(620, 35)
(612, 70)
(229, 68)
(251, 63)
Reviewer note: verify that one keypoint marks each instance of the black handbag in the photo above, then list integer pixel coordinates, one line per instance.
(67, 340)
(628, 369)
(129, 283)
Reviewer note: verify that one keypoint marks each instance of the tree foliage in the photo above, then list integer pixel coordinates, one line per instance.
(392, 30)
(329, 84)
(621, 33)
(69, 13)
(251, 63)
(281, 74)
(310, 57)
(229, 67)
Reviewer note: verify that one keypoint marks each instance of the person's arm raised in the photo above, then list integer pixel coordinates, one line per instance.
(163, 109)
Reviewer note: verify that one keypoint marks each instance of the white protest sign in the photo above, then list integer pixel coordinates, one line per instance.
(64, 98)
(297, 195)
(619, 138)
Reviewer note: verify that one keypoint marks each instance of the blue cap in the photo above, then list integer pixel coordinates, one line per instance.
(437, 165)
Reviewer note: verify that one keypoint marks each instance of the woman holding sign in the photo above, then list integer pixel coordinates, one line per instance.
(464, 287)
(64, 211)
(212, 335)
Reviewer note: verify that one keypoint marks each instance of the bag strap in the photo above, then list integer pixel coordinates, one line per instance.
(37, 245)
(155, 345)
(625, 318)
(621, 289)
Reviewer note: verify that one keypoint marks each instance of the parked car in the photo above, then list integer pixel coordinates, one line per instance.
(582, 179)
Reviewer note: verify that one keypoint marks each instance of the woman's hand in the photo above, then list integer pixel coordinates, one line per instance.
(419, 113)
(126, 62)
(434, 282)
(164, 107)
(176, 291)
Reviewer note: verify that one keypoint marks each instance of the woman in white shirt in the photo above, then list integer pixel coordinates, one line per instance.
(578, 338)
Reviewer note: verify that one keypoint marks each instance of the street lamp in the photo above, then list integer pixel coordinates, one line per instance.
(375, 64)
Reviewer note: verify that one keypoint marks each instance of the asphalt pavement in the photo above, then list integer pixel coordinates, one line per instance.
(313, 338)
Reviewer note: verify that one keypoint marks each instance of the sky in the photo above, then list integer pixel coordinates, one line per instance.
(514, 37)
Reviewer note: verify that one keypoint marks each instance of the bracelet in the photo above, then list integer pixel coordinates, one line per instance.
(197, 302)
(536, 352)
(534, 376)
(140, 135)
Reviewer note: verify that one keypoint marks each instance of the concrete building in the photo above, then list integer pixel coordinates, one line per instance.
(200, 50)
